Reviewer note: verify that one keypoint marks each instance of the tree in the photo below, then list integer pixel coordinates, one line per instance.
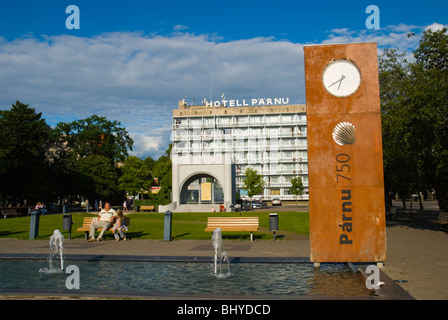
(401, 175)
(150, 163)
(415, 116)
(99, 175)
(24, 141)
(253, 183)
(162, 170)
(87, 153)
(136, 176)
(296, 186)
(95, 136)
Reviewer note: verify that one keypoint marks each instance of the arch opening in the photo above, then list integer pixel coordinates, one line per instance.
(202, 189)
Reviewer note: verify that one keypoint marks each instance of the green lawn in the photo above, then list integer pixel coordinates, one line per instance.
(151, 225)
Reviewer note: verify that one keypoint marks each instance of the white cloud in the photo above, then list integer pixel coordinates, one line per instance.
(436, 27)
(180, 27)
(155, 143)
(139, 79)
(394, 36)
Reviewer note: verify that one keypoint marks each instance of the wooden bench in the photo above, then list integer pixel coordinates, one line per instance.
(147, 208)
(442, 220)
(88, 221)
(250, 224)
(9, 212)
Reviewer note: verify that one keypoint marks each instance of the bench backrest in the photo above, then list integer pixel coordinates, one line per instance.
(88, 221)
(443, 216)
(6, 211)
(215, 222)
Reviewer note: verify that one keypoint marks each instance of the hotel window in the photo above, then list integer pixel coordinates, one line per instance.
(241, 133)
(224, 121)
(256, 120)
(254, 156)
(287, 155)
(241, 143)
(287, 118)
(209, 122)
(272, 119)
(301, 155)
(195, 145)
(240, 157)
(195, 133)
(208, 145)
(274, 168)
(196, 122)
(241, 121)
(226, 144)
(273, 132)
(255, 132)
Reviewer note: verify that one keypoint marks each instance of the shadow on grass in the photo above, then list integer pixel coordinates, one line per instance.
(181, 235)
(6, 234)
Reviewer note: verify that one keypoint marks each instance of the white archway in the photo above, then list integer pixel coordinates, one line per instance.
(222, 171)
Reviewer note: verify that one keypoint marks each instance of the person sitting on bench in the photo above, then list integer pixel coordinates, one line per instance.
(105, 221)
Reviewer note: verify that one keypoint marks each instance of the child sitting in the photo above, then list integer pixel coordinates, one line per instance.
(119, 226)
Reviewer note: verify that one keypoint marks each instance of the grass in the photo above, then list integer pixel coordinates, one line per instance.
(188, 226)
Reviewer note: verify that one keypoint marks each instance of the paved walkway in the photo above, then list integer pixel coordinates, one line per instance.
(193, 248)
(420, 257)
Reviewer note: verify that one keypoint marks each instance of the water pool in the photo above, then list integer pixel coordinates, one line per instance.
(187, 279)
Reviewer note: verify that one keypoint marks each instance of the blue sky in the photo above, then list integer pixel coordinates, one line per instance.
(232, 20)
(133, 61)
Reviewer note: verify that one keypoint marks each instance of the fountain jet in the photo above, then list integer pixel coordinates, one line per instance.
(56, 247)
(220, 254)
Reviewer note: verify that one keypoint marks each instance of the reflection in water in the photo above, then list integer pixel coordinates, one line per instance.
(335, 281)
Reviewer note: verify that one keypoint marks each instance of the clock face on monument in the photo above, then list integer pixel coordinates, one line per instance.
(341, 78)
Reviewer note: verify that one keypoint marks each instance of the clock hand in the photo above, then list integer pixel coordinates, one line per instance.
(342, 78)
(340, 81)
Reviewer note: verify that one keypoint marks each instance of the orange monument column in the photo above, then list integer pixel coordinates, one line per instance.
(345, 159)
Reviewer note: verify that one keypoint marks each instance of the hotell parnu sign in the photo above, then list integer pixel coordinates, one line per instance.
(247, 102)
(345, 160)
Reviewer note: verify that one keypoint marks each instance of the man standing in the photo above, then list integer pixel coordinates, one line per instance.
(105, 221)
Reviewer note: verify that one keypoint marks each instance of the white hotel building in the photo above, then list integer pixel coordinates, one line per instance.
(272, 139)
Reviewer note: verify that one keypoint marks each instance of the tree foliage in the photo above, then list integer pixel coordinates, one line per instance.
(296, 186)
(95, 136)
(99, 176)
(75, 160)
(162, 170)
(253, 183)
(24, 141)
(86, 155)
(414, 98)
(136, 176)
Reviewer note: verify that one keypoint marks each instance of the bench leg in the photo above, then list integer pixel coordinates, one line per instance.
(251, 236)
(86, 234)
